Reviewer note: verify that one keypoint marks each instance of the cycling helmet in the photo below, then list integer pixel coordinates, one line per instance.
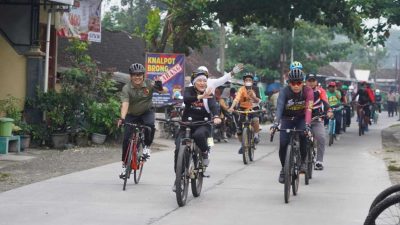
(345, 87)
(198, 73)
(296, 65)
(256, 79)
(332, 84)
(311, 76)
(136, 68)
(296, 75)
(248, 74)
(377, 91)
(203, 68)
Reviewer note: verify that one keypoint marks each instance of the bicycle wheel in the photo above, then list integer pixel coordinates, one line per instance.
(128, 165)
(196, 174)
(137, 173)
(167, 130)
(296, 170)
(385, 212)
(395, 189)
(251, 145)
(182, 176)
(287, 168)
(245, 145)
(309, 163)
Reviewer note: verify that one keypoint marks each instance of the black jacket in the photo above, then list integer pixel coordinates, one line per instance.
(196, 108)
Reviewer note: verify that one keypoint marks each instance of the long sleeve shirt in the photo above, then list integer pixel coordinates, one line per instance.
(196, 109)
(295, 105)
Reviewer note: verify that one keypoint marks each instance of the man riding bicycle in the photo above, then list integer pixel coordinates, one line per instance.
(321, 106)
(366, 98)
(248, 99)
(294, 111)
(334, 100)
(137, 107)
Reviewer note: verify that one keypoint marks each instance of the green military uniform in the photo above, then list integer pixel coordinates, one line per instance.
(139, 98)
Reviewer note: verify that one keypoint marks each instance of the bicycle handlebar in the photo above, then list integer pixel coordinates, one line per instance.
(134, 125)
(248, 112)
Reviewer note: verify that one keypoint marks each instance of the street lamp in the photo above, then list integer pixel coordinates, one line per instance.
(291, 51)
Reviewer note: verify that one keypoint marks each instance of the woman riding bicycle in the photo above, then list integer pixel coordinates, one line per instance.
(294, 110)
(199, 104)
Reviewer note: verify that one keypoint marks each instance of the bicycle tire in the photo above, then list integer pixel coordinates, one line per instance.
(296, 171)
(245, 146)
(287, 168)
(384, 194)
(128, 166)
(182, 178)
(137, 173)
(251, 145)
(309, 163)
(197, 179)
(378, 210)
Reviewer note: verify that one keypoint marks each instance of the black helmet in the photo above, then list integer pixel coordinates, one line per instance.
(136, 68)
(248, 74)
(296, 75)
(197, 73)
(311, 76)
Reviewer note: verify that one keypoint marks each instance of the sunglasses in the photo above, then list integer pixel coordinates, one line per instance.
(296, 83)
(137, 74)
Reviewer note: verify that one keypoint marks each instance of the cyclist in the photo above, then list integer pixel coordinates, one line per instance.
(321, 106)
(223, 108)
(248, 99)
(199, 104)
(378, 100)
(294, 110)
(365, 97)
(346, 95)
(137, 107)
(334, 98)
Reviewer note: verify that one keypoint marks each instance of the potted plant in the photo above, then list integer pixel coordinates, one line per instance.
(24, 130)
(102, 117)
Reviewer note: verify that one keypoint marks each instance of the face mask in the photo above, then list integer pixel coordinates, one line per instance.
(248, 84)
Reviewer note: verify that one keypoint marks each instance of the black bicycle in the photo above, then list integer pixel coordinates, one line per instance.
(292, 164)
(385, 209)
(189, 165)
(362, 119)
(248, 145)
(134, 159)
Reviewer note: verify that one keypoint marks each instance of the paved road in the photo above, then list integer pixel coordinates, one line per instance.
(234, 194)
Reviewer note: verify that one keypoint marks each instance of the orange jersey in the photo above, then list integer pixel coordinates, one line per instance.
(245, 101)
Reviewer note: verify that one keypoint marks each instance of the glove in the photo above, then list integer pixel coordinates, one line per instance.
(237, 68)
(158, 85)
(274, 127)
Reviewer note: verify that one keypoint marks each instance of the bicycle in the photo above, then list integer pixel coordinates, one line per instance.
(385, 207)
(248, 144)
(362, 124)
(331, 130)
(134, 159)
(173, 114)
(189, 165)
(292, 164)
(344, 122)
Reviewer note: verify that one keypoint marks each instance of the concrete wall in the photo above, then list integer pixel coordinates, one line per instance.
(12, 72)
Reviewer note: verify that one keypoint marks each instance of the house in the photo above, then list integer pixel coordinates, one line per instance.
(23, 26)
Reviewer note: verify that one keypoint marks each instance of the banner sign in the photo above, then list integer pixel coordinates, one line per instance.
(83, 21)
(170, 68)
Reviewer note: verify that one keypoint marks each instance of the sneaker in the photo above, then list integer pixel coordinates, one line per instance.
(225, 140)
(206, 161)
(319, 166)
(123, 172)
(146, 152)
(281, 177)
(240, 150)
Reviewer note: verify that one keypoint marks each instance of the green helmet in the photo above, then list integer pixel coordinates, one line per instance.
(345, 87)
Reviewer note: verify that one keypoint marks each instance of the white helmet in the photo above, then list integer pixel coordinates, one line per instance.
(377, 91)
(203, 68)
(351, 88)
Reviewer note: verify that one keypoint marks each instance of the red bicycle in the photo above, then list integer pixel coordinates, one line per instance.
(134, 159)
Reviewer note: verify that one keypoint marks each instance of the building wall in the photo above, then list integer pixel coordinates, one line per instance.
(12, 72)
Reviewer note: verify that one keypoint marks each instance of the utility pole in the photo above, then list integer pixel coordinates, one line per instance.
(222, 49)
